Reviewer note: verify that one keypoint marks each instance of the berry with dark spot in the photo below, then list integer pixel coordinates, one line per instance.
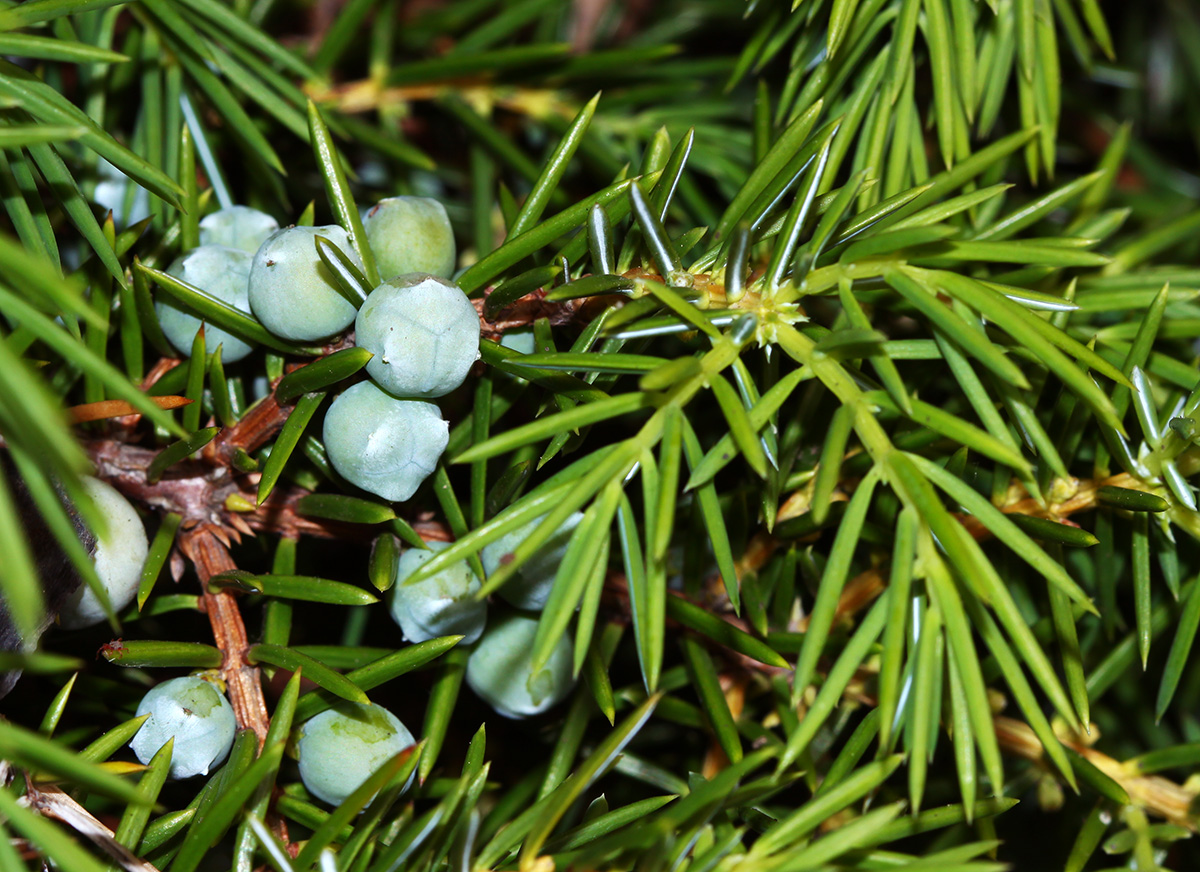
(196, 715)
(530, 587)
(292, 292)
(442, 605)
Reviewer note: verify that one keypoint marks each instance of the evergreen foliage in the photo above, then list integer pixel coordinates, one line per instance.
(861, 333)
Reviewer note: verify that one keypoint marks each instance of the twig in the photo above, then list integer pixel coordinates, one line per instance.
(211, 557)
(53, 803)
(1155, 794)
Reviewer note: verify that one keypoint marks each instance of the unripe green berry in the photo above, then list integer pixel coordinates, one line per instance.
(381, 444)
(120, 555)
(223, 273)
(424, 334)
(292, 292)
(500, 668)
(410, 235)
(341, 748)
(530, 587)
(196, 715)
(442, 605)
(112, 193)
(237, 227)
(520, 339)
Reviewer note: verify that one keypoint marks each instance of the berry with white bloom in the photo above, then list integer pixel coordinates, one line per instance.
(196, 715)
(237, 227)
(221, 272)
(521, 339)
(500, 668)
(410, 235)
(530, 587)
(120, 555)
(112, 193)
(292, 292)
(341, 748)
(381, 444)
(442, 605)
(424, 334)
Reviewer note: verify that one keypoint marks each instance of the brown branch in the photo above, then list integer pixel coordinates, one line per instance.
(866, 586)
(210, 556)
(1153, 793)
(254, 429)
(51, 802)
